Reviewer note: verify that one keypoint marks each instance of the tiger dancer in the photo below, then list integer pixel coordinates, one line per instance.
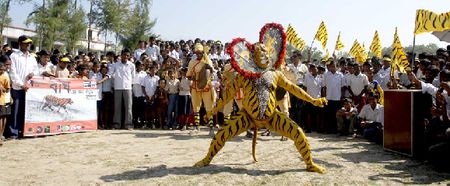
(259, 77)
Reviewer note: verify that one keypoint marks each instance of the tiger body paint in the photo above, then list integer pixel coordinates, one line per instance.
(259, 110)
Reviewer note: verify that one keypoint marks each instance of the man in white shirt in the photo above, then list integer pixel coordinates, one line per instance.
(299, 70)
(23, 68)
(372, 119)
(313, 86)
(123, 73)
(333, 85)
(153, 50)
(358, 84)
(139, 50)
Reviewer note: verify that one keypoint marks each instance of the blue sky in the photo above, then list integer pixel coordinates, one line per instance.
(225, 20)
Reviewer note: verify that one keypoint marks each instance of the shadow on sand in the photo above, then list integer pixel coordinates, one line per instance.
(162, 171)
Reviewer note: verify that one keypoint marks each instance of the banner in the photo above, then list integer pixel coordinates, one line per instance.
(55, 106)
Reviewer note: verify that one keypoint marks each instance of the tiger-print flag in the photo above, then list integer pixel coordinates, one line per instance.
(428, 21)
(354, 50)
(339, 44)
(375, 47)
(399, 59)
(358, 52)
(322, 35)
(293, 39)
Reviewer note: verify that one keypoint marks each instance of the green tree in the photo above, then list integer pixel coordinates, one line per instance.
(76, 28)
(104, 15)
(51, 21)
(139, 25)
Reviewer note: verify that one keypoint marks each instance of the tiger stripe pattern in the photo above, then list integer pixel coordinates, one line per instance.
(293, 39)
(235, 126)
(51, 101)
(252, 115)
(399, 59)
(428, 21)
(285, 126)
(322, 35)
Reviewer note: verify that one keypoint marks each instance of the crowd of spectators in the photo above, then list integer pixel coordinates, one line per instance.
(149, 87)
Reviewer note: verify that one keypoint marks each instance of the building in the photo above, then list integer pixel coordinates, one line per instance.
(11, 33)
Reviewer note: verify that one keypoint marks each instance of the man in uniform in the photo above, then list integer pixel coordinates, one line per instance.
(205, 94)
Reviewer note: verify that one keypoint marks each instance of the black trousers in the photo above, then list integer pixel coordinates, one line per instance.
(330, 125)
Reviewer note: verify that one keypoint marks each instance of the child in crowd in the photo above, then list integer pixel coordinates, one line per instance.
(107, 99)
(138, 96)
(62, 70)
(172, 89)
(73, 73)
(346, 118)
(83, 72)
(184, 100)
(5, 96)
(96, 75)
(161, 102)
(149, 85)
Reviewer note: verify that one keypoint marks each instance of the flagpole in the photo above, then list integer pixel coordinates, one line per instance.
(414, 43)
(413, 55)
(310, 49)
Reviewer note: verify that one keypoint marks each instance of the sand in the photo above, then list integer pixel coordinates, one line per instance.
(156, 157)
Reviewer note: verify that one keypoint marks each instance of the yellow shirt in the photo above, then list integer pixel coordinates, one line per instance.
(194, 68)
(4, 82)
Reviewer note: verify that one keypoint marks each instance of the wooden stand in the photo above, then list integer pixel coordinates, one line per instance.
(404, 114)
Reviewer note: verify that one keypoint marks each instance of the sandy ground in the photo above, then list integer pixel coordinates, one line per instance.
(152, 157)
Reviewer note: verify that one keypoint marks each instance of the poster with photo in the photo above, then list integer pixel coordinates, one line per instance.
(55, 106)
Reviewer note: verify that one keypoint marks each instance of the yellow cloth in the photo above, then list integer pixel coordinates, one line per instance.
(4, 82)
(198, 47)
(207, 98)
(399, 59)
(293, 39)
(339, 44)
(322, 35)
(358, 52)
(375, 47)
(428, 21)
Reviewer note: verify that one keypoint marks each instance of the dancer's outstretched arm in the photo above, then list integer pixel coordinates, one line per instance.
(298, 92)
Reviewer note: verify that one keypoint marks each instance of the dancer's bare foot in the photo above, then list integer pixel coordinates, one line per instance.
(202, 163)
(315, 168)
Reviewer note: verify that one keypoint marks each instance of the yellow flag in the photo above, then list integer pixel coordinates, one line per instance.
(428, 21)
(375, 47)
(399, 59)
(322, 35)
(293, 39)
(358, 52)
(339, 44)
(354, 50)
